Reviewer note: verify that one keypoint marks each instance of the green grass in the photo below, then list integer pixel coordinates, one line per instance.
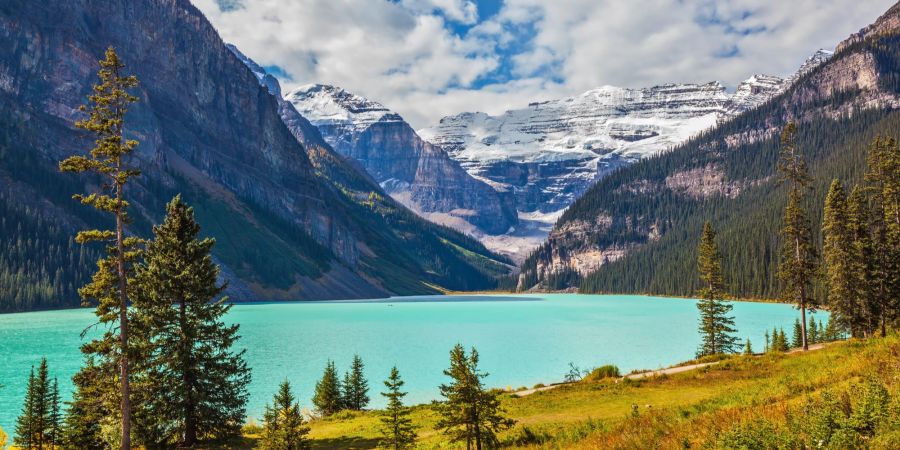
(694, 408)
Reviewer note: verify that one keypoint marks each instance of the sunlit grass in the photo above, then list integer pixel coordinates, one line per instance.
(685, 409)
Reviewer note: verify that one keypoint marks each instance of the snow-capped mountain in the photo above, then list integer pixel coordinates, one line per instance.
(549, 153)
(416, 173)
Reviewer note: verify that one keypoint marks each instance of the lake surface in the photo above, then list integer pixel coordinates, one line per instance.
(522, 340)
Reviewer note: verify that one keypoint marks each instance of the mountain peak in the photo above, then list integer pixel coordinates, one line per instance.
(327, 104)
(267, 80)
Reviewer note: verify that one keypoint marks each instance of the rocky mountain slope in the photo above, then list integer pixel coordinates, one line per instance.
(293, 219)
(634, 230)
(550, 153)
(416, 173)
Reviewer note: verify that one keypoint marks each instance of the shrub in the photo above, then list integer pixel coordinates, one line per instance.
(607, 371)
(756, 434)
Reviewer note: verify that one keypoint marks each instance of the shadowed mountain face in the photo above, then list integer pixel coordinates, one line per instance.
(635, 230)
(418, 174)
(292, 220)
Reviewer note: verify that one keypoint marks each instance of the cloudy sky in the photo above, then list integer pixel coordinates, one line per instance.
(431, 58)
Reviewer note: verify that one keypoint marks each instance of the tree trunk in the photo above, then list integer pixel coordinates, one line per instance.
(802, 299)
(190, 422)
(123, 325)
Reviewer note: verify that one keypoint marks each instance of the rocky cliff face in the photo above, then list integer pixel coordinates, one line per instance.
(420, 175)
(209, 130)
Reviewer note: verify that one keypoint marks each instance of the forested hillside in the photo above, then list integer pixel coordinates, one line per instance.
(634, 230)
(292, 221)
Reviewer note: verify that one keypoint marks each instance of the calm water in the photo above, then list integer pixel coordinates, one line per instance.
(522, 340)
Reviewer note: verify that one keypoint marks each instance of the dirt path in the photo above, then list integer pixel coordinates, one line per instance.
(654, 373)
(525, 392)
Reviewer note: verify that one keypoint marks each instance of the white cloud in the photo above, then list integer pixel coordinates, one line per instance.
(404, 54)
(463, 11)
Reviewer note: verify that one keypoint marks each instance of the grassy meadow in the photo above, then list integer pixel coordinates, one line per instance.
(768, 401)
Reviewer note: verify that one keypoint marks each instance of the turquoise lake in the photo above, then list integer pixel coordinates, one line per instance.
(522, 339)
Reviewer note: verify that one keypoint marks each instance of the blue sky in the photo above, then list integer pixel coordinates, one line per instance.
(431, 58)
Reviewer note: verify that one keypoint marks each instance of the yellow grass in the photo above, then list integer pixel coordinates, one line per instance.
(665, 412)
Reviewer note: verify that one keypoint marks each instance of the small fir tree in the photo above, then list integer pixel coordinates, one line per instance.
(813, 331)
(396, 427)
(797, 337)
(327, 398)
(54, 431)
(766, 348)
(37, 426)
(716, 326)
(356, 387)
(748, 348)
(284, 428)
(470, 413)
(26, 423)
(782, 341)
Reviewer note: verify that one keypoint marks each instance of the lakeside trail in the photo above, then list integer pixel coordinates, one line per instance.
(655, 373)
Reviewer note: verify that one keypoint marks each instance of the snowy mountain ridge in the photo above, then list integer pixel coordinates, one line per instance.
(323, 104)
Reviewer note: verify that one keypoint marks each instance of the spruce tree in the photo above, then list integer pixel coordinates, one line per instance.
(813, 330)
(396, 427)
(284, 428)
(26, 423)
(798, 266)
(883, 183)
(38, 423)
(327, 398)
(716, 326)
(748, 348)
(54, 431)
(356, 387)
(782, 341)
(863, 318)
(193, 383)
(766, 348)
(470, 413)
(108, 106)
(797, 338)
(87, 410)
(776, 340)
(837, 252)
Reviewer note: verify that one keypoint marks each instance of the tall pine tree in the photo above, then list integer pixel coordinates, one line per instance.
(862, 320)
(396, 427)
(192, 382)
(716, 326)
(883, 183)
(470, 413)
(838, 252)
(284, 428)
(108, 160)
(798, 265)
